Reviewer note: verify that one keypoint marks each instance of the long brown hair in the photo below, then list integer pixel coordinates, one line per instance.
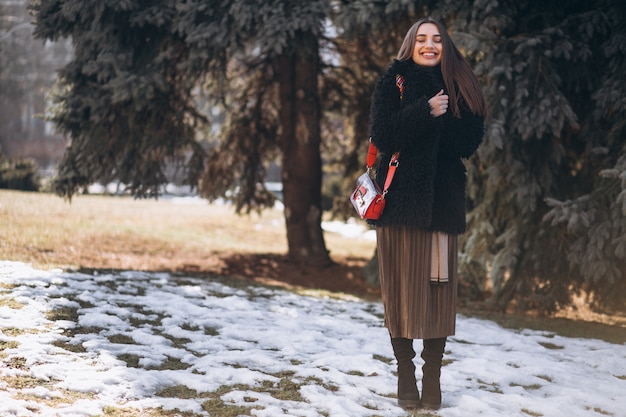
(456, 71)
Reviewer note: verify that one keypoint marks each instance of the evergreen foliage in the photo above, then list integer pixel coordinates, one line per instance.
(18, 174)
(127, 99)
(547, 187)
(249, 140)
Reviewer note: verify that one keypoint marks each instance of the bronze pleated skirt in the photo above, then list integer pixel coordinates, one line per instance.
(415, 308)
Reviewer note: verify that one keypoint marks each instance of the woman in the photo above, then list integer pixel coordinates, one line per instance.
(428, 106)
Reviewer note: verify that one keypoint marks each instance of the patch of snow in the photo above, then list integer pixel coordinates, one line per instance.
(216, 335)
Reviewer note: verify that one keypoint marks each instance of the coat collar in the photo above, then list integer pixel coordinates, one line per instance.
(408, 67)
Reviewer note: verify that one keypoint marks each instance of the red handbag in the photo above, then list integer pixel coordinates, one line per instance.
(368, 199)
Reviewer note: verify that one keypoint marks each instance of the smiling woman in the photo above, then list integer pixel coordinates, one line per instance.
(427, 50)
(425, 205)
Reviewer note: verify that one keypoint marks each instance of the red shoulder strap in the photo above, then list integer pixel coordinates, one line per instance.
(372, 153)
(393, 165)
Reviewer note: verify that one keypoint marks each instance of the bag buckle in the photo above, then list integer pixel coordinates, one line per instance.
(394, 162)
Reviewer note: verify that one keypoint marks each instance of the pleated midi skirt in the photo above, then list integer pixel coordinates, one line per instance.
(415, 308)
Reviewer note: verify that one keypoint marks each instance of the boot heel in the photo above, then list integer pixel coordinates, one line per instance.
(409, 404)
(433, 407)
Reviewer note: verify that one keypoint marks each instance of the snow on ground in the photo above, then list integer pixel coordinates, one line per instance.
(125, 338)
(351, 229)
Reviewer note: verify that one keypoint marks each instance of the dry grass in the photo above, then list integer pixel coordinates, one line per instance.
(123, 233)
(103, 232)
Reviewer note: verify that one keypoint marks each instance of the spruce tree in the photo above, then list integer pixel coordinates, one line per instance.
(127, 100)
(548, 218)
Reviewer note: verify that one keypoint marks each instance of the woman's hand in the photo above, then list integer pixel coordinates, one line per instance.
(438, 104)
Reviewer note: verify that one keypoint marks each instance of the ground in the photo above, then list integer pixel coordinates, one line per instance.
(345, 275)
(189, 236)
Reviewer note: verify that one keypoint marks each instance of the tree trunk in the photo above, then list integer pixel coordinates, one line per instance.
(301, 160)
(370, 271)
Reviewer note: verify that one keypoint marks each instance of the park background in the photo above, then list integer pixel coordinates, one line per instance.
(222, 101)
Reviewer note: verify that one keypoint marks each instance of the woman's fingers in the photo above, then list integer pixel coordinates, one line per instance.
(438, 103)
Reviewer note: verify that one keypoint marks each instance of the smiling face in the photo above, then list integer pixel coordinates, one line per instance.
(428, 46)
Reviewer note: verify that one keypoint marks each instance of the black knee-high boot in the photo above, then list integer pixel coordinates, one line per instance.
(408, 395)
(432, 355)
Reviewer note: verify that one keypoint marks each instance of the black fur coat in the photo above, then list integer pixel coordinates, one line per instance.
(428, 189)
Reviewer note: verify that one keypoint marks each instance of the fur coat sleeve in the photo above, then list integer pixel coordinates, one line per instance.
(428, 190)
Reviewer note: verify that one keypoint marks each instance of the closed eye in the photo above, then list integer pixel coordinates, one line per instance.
(422, 38)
